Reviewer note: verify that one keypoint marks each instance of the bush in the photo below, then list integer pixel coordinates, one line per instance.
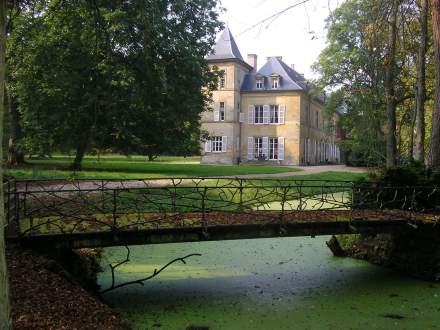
(412, 188)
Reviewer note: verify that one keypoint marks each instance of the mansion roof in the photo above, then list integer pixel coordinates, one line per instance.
(226, 50)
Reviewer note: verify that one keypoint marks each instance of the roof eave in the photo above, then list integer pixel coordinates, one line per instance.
(237, 60)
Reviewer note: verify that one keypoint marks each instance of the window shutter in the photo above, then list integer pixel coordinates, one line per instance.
(266, 147)
(280, 148)
(282, 114)
(241, 117)
(251, 114)
(224, 143)
(266, 113)
(208, 146)
(250, 149)
(216, 115)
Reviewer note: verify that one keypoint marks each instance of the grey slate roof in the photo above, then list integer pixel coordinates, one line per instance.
(290, 80)
(225, 48)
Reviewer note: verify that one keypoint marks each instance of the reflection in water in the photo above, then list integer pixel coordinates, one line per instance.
(284, 283)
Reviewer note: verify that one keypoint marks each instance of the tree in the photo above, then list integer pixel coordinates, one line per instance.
(369, 62)
(170, 84)
(390, 85)
(5, 318)
(419, 152)
(434, 143)
(130, 76)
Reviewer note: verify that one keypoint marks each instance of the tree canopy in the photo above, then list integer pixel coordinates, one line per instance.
(354, 68)
(126, 75)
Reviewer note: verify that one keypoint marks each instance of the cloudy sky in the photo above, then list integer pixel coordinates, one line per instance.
(298, 35)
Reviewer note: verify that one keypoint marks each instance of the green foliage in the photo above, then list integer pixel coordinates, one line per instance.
(130, 76)
(352, 69)
(409, 187)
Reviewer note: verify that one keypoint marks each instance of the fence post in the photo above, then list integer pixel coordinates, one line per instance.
(283, 202)
(114, 209)
(204, 223)
(241, 194)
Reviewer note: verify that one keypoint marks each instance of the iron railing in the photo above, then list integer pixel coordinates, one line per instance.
(41, 207)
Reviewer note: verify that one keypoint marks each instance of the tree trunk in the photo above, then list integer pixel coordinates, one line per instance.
(411, 136)
(389, 87)
(15, 156)
(419, 152)
(5, 308)
(81, 150)
(434, 142)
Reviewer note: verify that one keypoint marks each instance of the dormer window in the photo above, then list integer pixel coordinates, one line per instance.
(275, 82)
(260, 83)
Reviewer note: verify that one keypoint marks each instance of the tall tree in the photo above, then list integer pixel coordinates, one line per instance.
(5, 318)
(434, 142)
(126, 75)
(390, 85)
(419, 150)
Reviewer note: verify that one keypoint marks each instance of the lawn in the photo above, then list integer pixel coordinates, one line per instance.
(136, 167)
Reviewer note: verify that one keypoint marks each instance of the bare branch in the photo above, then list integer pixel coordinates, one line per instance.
(142, 280)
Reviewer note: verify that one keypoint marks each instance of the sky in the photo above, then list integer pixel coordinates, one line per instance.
(298, 35)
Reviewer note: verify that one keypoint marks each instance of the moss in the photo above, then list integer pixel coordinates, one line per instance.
(347, 242)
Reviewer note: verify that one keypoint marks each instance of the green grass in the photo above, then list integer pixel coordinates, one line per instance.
(133, 158)
(119, 167)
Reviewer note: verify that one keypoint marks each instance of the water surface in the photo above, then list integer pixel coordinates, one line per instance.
(280, 283)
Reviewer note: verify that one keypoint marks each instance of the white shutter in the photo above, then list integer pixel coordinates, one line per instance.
(224, 143)
(216, 115)
(282, 114)
(208, 146)
(266, 147)
(240, 117)
(251, 114)
(266, 114)
(250, 149)
(280, 148)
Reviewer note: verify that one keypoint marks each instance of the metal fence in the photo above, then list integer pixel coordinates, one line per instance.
(41, 207)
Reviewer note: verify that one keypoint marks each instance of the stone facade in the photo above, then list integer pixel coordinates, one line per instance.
(264, 117)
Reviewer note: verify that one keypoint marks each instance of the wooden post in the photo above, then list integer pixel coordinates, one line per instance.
(5, 308)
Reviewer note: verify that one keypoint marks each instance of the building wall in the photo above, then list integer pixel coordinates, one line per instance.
(230, 95)
(290, 130)
(317, 142)
(307, 138)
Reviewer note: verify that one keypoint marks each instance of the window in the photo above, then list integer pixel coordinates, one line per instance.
(222, 111)
(258, 148)
(222, 81)
(273, 148)
(275, 82)
(259, 83)
(259, 113)
(217, 144)
(274, 114)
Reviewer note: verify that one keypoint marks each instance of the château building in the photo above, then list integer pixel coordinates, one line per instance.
(267, 115)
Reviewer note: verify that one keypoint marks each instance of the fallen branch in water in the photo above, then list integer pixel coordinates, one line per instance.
(142, 280)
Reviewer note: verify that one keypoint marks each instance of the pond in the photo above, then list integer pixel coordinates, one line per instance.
(280, 283)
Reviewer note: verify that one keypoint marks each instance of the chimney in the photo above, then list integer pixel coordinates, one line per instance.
(280, 58)
(252, 61)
